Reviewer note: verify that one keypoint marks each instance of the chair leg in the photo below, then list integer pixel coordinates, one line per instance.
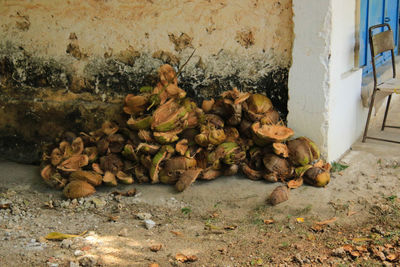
(386, 112)
(371, 105)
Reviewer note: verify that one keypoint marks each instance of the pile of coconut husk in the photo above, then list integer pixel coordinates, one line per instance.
(168, 139)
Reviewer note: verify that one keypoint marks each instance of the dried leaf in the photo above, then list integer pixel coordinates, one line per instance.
(392, 256)
(361, 239)
(230, 227)
(300, 220)
(350, 213)
(270, 221)
(4, 206)
(327, 221)
(177, 233)
(59, 236)
(295, 183)
(154, 265)
(348, 248)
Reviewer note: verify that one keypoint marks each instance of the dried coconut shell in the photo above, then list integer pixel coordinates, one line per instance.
(109, 128)
(168, 116)
(302, 151)
(155, 165)
(271, 117)
(216, 136)
(140, 174)
(179, 163)
(92, 153)
(279, 195)
(147, 148)
(271, 177)
(271, 133)
(187, 178)
(129, 152)
(167, 137)
(96, 168)
(78, 189)
(102, 146)
(231, 170)
(52, 178)
(74, 163)
(65, 149)
(116, 143)
(214, 120)
(91, 177)
(109, 179)
(124, 178)
(278, 165)
(258, 103)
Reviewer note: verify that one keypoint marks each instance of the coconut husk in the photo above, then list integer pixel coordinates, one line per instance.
(124, 178)
(168, 116)
(129, 152)
(317, 177)
(145, 160)
(210, 174)
(302, 151)
(232, 134)
(52, 178)
(281, 149)
(231, 170)
(141, 174)
(216, 136)
(192, 120)
(77, 146)
(74, 163)
(109, 179)
(135, 104)
(167, 137)
(102, 146)
(117, 143)
(65, 149)
(180, 163)
(109, 128)
(155, 165)
(56, 157)
(214, 120)
(181, 146)
(207, 105)
(92, 153)
(169, 178)
(167, 75)
(173, 91)
(68, 136)
(258, 103)
(279, 195)
(78, 189)
(251, 173)
(151, 149)
(145, 135)
(271, 117)
(245, 128)
(91, 177)
(187, 178)
(96, 168)
(141, 123)
(271, 177)
(111, 163)
(270, 133)
(278, 165)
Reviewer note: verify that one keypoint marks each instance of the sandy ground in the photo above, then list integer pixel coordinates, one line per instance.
(225, 222)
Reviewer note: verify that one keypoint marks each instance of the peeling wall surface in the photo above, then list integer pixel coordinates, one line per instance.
(65, 65)
(325, 97)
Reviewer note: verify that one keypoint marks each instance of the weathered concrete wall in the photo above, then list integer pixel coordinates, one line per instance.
(63, 64)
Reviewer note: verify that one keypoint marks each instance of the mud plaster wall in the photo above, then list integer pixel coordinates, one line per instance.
(66, 65)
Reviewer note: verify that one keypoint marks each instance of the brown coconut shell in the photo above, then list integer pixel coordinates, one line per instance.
(207, 105)
(145, 135)
(179, 163)
(279, 195)
(56, 156)
(78, 189)
(302, 151)
(135, 104)
(182, 146)
(318, 177)
(252, 174)
(278, 165)
(91, 152)
(91, 177)
(187, 178)
(231, 170)
(116, 143)
(167, 75)
(96, 168)
(109, 128)
(210, 174)
(124, 178)
(102, 146)
(271, 117)
(141, 174)
(258, 103)
(52, 178)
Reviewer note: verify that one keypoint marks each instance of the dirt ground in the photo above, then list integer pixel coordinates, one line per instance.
(354, 221)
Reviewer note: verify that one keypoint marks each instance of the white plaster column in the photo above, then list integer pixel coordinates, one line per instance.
(324, 87)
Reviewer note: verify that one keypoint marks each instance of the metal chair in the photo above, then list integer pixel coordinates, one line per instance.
(379, 43)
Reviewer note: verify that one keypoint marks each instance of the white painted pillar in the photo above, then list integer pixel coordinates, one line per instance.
(324, 88)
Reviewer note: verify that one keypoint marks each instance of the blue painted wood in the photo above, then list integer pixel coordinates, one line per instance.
(376, 12)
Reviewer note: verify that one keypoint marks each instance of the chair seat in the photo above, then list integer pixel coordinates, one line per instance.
(390, 86)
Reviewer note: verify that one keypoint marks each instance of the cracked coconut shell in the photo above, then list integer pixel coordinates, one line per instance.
(266, 134)
(168, 116)
(91, 177)
(302, 151)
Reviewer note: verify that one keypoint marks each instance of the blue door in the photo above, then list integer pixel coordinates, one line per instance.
(376, 12)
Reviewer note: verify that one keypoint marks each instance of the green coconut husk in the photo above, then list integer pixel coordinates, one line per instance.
(155, 165)
(302, 151)
(129, 152)
(167, 137)
(141, 123)
(168, 116)
(147, 148)
(109, 179)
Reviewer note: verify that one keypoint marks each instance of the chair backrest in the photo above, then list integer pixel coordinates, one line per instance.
(381, 42)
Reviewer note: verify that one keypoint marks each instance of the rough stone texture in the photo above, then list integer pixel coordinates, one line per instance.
(66, 65)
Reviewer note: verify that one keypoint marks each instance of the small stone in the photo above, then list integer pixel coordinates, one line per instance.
(66, 243)
(143, 216)
(88, 261)
(123, 232)
(339, 252)
(78, 253)
(149, 224)
(99, 203)
(73, 264)
(52, 264)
